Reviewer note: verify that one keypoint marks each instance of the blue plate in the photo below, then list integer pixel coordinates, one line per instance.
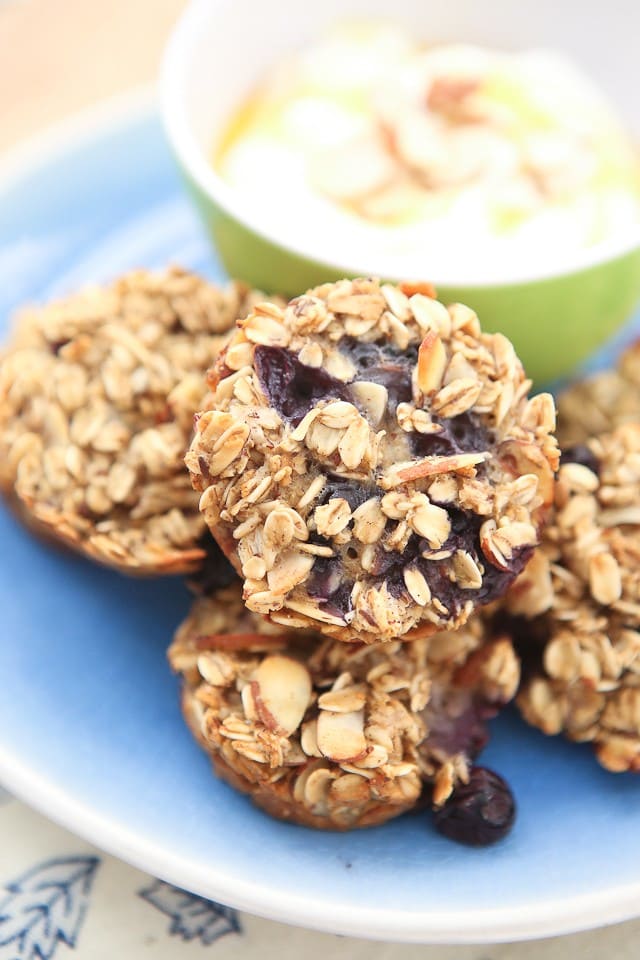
(90, 730)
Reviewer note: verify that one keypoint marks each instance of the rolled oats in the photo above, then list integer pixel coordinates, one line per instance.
(602, 402)
(97, 397)
(330, 734)
(581, 594)
(403, 438)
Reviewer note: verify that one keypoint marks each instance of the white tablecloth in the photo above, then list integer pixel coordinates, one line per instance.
(61, 899)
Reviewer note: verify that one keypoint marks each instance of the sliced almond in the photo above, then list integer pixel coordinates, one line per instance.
(432, 363)
(250, 642)
(346, 700)
(341, 735)
(408, 471)
(312, 491)
(376, 756)
(372, 398)
(430, 314)
(344, 679)
(459, 367)
(309, 738)
(464, 318)
(512, 536)
(397, 301)
(282, 691)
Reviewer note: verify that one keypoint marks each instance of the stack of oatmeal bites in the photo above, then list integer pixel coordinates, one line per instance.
(373, 526)
(372, 467)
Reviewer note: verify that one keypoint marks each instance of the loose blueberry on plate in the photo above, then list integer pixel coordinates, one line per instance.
(477, 813)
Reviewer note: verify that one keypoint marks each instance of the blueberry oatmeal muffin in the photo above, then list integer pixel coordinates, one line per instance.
(97, 396)
(336, 735)
(579, 600)
(602, 402)
(370, 462)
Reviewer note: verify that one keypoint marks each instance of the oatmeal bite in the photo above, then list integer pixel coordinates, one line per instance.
(579, 599)
(601, 402)
(335, 735)
(370, 462)
(97, 396)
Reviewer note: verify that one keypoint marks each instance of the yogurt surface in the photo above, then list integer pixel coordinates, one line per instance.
(368, 143)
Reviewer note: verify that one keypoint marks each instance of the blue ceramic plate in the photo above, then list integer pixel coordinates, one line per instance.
(90, 731)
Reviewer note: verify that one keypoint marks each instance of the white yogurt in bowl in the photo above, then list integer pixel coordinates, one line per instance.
(371, 141)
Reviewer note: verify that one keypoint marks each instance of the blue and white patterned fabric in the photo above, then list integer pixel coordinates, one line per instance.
(61, 899)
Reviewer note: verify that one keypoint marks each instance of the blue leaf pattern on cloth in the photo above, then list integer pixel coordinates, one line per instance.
(44, 907)
(192, 917)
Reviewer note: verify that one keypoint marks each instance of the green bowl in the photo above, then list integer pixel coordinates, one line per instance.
(555, 323)
(555, 320)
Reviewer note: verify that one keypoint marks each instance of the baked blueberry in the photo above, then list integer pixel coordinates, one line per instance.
(479, 812)
(370, 462)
